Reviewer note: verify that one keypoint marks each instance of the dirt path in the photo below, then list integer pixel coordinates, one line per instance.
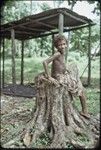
(15, 113)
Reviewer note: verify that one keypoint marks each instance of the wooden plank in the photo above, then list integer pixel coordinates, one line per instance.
(46, 24)
(53, 50)
(22, 63)
(29, 22)
(13, 56)
(89, 56)
(25, 32)
(74, 17)
(32, 29)
(61, 23)
(65, 30)
(3, 63)
(28, 37)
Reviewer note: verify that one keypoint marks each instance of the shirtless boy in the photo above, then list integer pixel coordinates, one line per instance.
(59, 67)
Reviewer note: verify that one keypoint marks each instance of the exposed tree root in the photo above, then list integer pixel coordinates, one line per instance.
(56, 115)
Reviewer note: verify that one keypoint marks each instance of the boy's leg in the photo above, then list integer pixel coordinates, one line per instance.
(84, 105)
(74, 74)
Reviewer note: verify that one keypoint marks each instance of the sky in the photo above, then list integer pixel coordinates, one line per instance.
(82, 8)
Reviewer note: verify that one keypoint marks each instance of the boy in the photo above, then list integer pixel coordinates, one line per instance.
(59, 68)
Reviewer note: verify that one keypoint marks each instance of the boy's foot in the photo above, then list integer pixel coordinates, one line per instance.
(85, 115)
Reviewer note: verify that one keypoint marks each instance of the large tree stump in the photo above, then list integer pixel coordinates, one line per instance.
(57, 116)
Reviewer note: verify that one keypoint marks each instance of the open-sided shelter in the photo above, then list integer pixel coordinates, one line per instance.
(46, 23)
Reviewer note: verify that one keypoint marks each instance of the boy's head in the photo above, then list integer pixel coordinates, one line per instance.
(60, 42)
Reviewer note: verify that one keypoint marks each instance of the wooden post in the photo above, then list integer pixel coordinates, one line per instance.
(61, 23)
(22, 62)
(3, 63)
(61, 26)
(67, 50)
(13, 56)
(89, 57)
(53, 44)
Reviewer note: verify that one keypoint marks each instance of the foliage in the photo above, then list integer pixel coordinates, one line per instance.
(44, 42)
(43, 140)
(14, 10)
(57, 3)
(44, 6)
(79, 39)
(97, 7)
(93, 97)
(21, 107)
(33, 66)
(73, 2)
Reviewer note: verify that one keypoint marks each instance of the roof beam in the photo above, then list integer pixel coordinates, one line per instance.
(47, 25)
(28, 22)
(33, 29)
(65, 30)
(24, 32)
(76, 18)
(18, 37)
(28, 37)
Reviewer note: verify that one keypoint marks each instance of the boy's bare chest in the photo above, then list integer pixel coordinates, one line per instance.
(59, 61)
(59, 64)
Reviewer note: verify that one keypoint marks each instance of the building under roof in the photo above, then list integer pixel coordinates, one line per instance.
(46, 23)
(43, 23)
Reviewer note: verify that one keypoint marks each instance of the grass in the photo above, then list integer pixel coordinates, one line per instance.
(82, 63)
(93, 101)
(33, 66)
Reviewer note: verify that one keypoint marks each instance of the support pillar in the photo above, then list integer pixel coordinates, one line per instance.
(89, 57)
(3, 63)
(53, 50)
(61, 23)
(22, 63)
(13, 56)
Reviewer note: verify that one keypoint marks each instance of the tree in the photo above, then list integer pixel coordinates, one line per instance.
(56, 116)
(73, 2)
(44, 45)
(97, 7)
(79, 39)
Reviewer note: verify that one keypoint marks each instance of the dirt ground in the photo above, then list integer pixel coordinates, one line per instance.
(17, 107)
(15, 113)
(19, 90)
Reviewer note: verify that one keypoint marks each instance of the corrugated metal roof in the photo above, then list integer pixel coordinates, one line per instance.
(38, 24)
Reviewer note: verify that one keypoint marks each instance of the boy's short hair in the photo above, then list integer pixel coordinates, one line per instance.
(59, 38)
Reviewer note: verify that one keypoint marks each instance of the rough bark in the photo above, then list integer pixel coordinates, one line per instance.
(57, 115)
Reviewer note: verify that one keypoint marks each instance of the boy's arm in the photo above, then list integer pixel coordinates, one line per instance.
(47, 61)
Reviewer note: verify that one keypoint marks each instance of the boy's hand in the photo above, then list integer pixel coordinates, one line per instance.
(53, 81)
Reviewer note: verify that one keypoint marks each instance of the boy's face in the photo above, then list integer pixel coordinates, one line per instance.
(61, 46)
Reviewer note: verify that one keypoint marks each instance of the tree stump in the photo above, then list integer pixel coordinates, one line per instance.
(57, 116)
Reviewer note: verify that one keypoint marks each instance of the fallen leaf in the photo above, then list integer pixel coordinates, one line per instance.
(27, 139)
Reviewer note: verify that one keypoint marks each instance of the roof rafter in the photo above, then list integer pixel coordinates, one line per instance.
(76, 18)
(43, 23)
(47, 25)
(30, 21)
(33, 29)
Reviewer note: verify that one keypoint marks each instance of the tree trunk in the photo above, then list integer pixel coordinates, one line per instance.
(56, 115)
